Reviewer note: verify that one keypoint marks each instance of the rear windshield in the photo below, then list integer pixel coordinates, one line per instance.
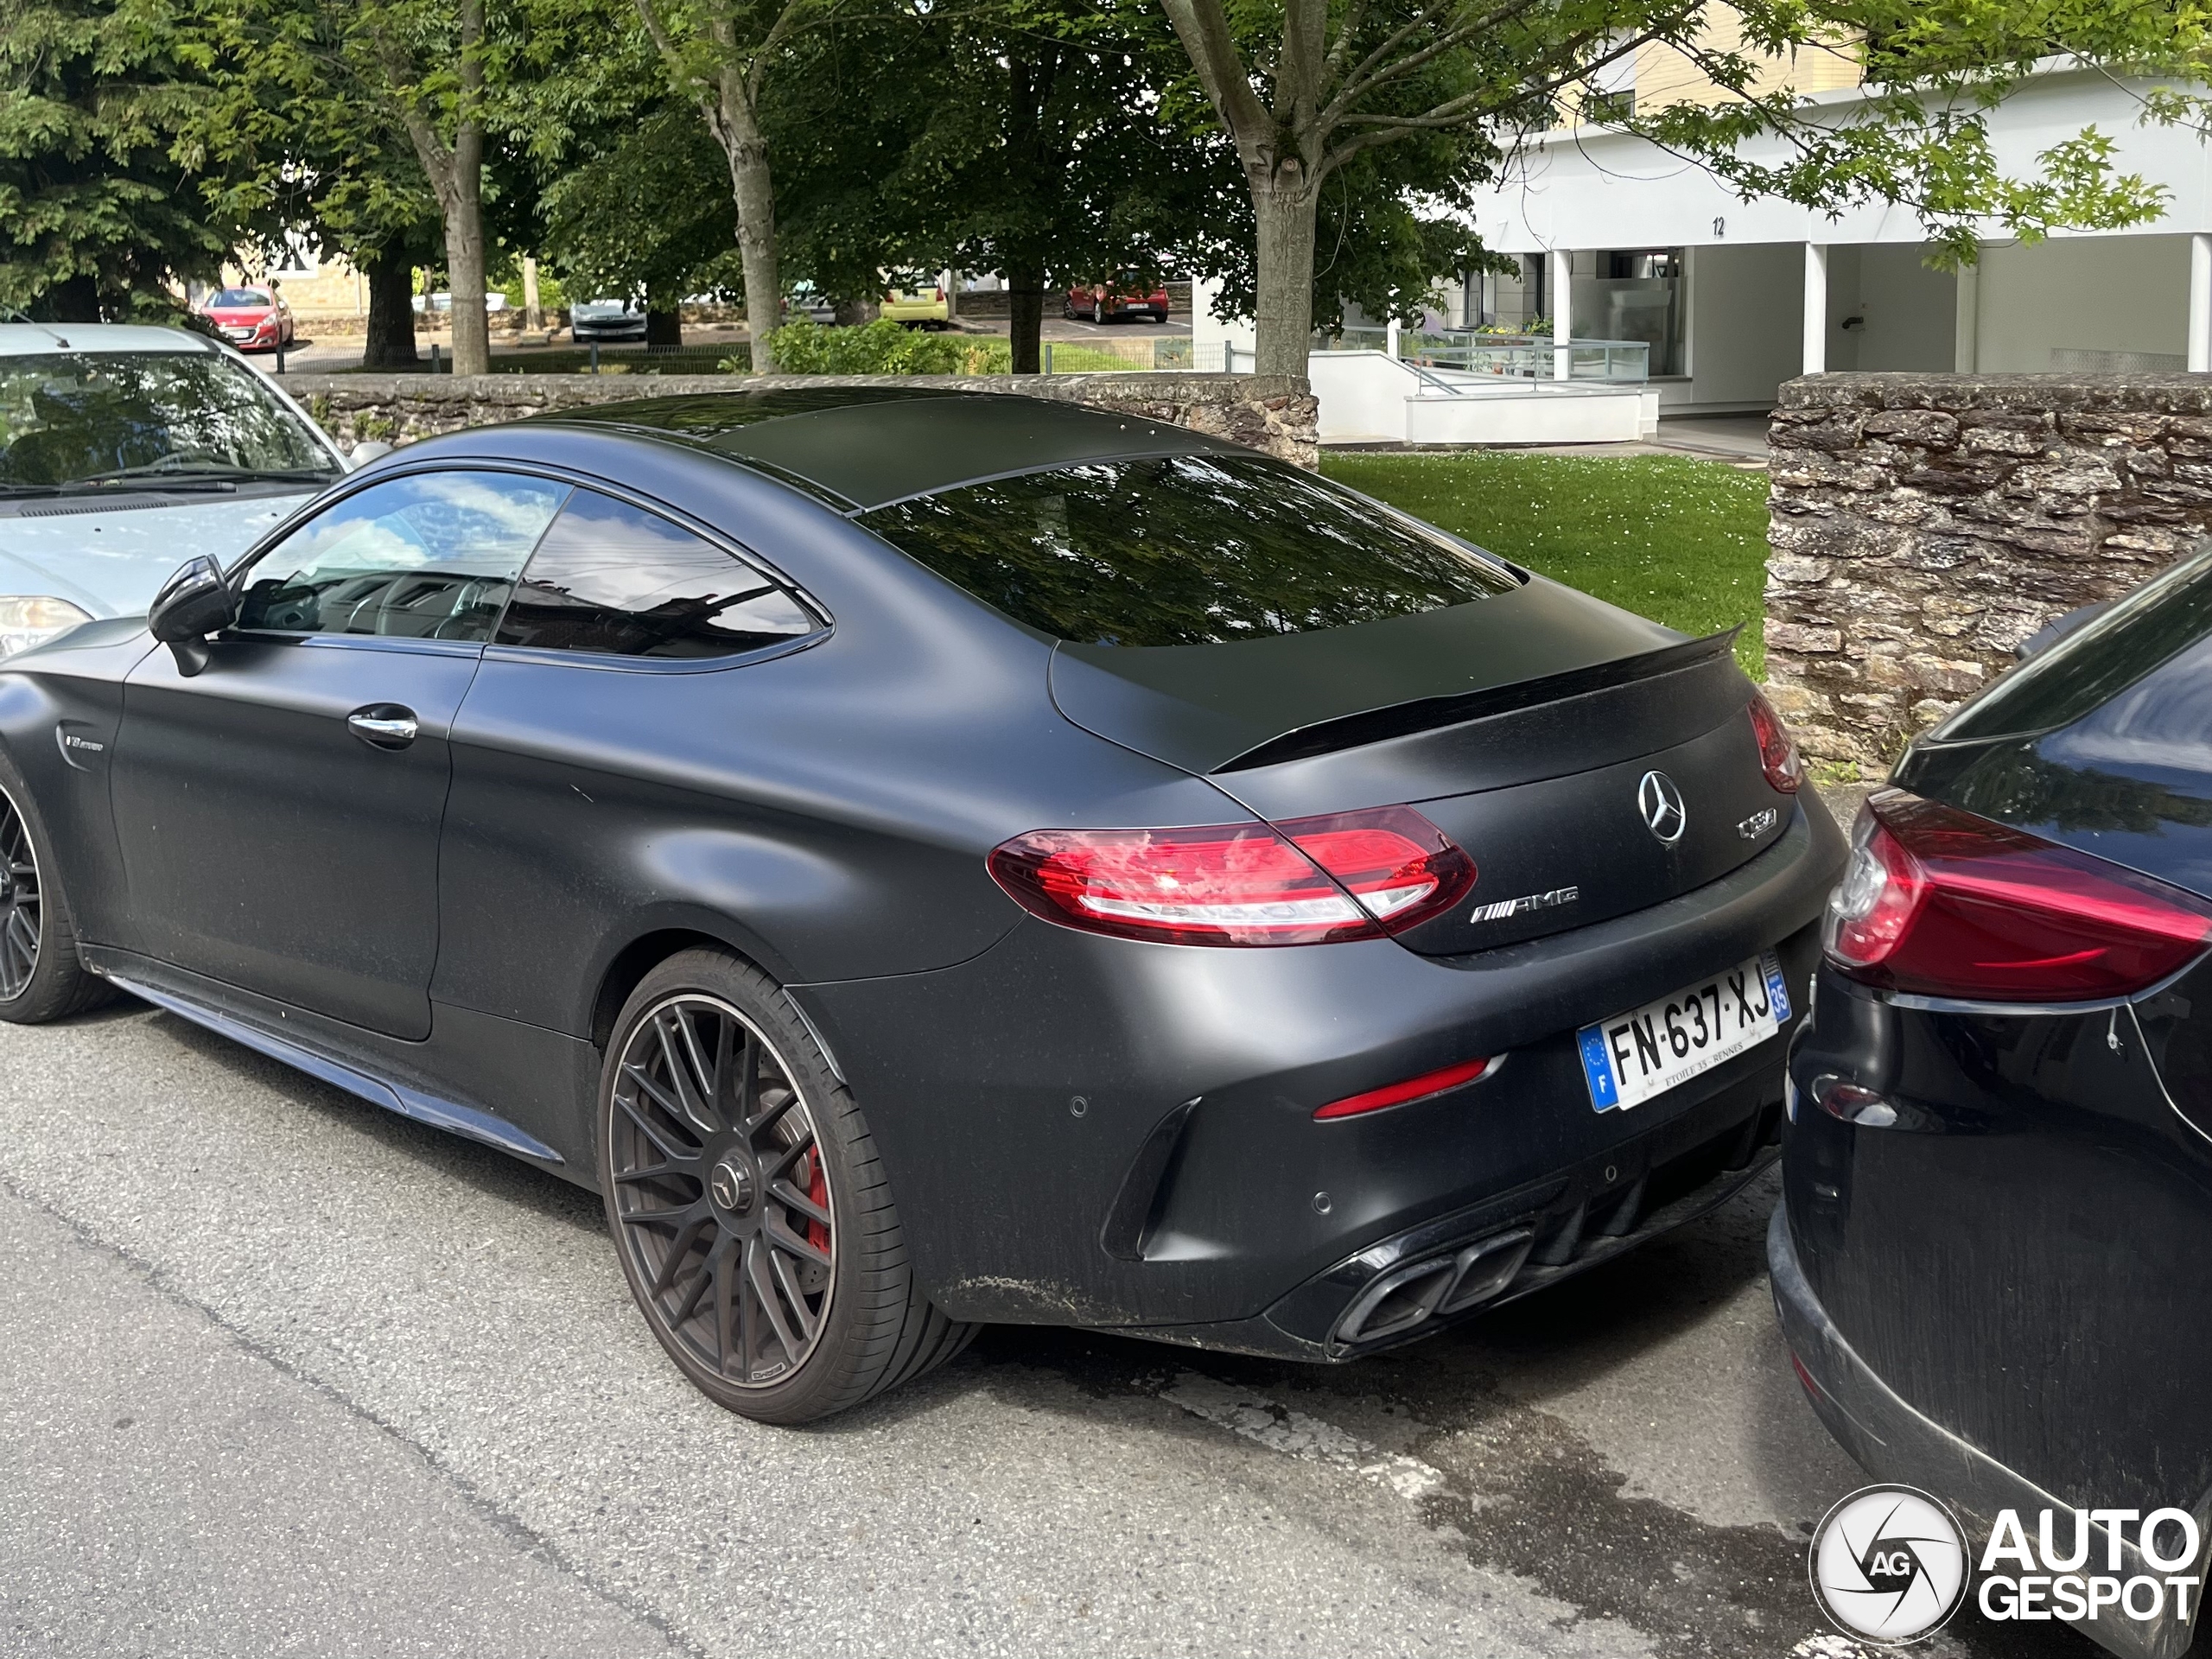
(1184, 551)
(2097, 661)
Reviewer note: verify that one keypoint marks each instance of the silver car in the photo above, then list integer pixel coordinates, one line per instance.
(125, 451)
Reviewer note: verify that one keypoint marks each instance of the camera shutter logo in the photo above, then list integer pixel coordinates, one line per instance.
(1889, 1564)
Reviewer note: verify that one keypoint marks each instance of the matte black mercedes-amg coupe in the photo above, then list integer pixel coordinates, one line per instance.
(929, 858)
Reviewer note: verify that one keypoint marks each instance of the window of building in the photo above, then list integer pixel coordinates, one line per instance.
(1636, 294)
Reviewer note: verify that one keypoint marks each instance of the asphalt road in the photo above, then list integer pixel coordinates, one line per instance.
(282, 1374)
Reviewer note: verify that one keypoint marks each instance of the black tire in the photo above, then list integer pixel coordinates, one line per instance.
(42, 977)
(714, 1104)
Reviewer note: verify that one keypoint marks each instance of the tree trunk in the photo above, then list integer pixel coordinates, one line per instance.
(456, 176)
(754, 192)
(1285, 207)
(1025, 310)
(472, 332)
(663, 323)
(77, 300)
(391, 342)
(533, 314)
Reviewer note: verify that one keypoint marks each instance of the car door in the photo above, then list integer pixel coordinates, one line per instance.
(592, 756)
(278, 813)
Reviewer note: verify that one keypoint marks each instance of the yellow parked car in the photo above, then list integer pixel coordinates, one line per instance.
(917, 307)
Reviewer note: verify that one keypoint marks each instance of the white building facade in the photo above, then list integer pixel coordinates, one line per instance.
(1735, 297)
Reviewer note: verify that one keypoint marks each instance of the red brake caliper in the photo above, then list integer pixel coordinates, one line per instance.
(817, 1188)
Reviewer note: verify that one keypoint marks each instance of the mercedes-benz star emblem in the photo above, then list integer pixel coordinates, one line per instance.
(1661, 803)
(732, 1185)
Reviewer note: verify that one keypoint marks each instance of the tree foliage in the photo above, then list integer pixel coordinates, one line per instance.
(1048, 159)
(1307, 89)
(106, 195)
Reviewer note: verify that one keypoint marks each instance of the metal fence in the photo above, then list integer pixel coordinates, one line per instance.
(1526, 357)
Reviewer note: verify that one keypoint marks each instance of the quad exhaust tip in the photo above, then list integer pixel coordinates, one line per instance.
(1434, 1287)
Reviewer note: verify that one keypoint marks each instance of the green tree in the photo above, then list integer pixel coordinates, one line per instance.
(106, 195)
(1384, 230)
(718, 55)
(1045, 157)
(327, 96)
(1305, 89)
(634, 220)
(308, 154)
(842, 121)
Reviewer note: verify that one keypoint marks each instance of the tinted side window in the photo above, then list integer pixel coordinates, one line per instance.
(431, 556)
(613, 579)
(1184, 551)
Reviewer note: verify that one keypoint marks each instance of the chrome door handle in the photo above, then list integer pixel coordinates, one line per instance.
(385, 726)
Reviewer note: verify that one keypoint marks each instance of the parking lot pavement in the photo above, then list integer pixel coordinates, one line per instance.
(283, 1373)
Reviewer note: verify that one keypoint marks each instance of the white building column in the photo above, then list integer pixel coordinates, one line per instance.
(1562, 301)
(1816, 309)
(2200, 304)
(1966, 329)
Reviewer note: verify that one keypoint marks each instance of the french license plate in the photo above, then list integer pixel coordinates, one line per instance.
(1634, 1056)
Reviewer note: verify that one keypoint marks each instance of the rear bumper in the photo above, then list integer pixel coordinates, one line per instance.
(1469, 1262)
(1104, 1132)
(1892, 1441)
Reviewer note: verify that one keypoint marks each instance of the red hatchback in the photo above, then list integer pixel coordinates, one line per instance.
(1108, 302)
(251, 319)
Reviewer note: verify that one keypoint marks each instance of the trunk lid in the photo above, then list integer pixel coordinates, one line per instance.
(1523, 728)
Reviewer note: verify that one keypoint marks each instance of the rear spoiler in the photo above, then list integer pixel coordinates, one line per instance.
(1426, 714)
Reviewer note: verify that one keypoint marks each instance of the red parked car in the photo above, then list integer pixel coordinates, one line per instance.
(251, 319)
(1108, 302)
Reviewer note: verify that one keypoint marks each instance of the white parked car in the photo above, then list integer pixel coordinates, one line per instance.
(125, 451)
(607, 319)
(442, 302)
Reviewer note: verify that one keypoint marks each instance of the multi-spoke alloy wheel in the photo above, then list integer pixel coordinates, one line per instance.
(753, 1212)
(20, 928)
(42, 977)
(720, 1191)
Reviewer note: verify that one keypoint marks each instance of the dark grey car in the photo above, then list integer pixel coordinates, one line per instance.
(935, 858)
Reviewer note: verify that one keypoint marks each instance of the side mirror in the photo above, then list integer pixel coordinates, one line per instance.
(192, 604)
(367, 450)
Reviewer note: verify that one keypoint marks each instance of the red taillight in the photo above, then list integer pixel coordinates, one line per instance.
(940, 292)
(1348, 875)
(1397, 1094)
(1942, 903)
(1778, 755)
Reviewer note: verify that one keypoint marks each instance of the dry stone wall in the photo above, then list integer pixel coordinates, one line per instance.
(1275, 413)
(1922, 525)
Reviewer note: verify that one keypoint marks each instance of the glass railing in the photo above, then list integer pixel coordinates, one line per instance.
(1526, 357)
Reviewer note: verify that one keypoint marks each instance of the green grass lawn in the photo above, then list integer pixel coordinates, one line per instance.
(1680, 541)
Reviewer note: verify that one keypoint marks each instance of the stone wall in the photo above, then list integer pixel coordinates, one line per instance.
(1923, 525)
(1275, 413)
